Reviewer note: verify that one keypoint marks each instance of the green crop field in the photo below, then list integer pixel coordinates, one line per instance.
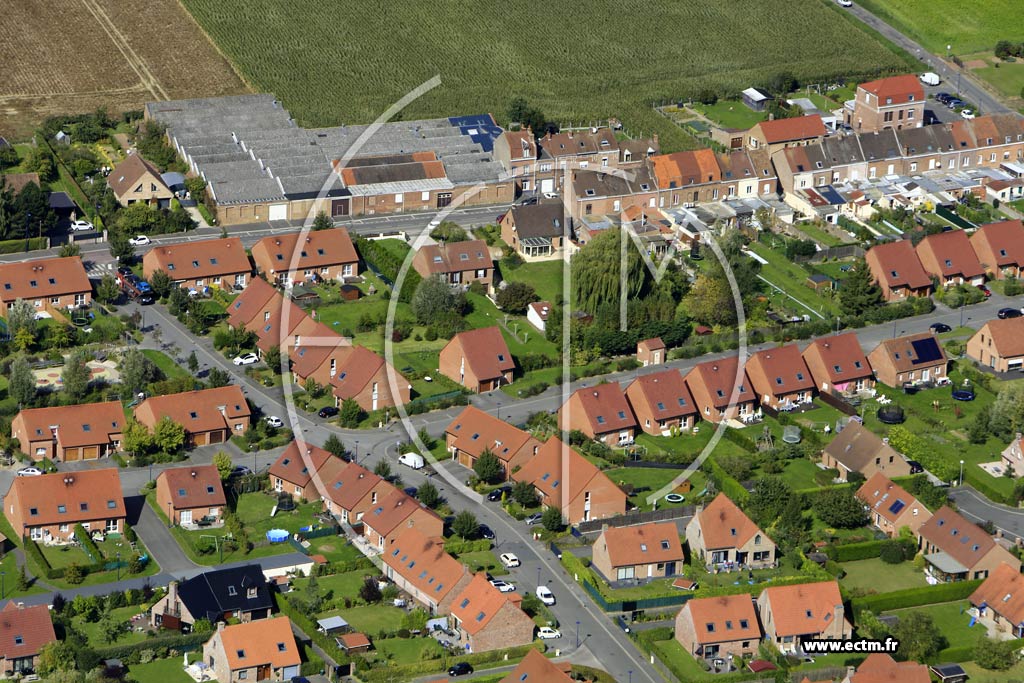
(967, 26)
(333, 62)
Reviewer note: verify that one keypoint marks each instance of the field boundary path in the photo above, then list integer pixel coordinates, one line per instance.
(137, 64)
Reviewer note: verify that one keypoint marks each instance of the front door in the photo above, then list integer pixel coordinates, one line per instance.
(263, 672)
(339, 207)
(185, 517)
(670, 568)
(443, 199)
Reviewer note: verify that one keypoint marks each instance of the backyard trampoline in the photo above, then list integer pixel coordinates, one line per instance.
(964, 392)
(891, 415)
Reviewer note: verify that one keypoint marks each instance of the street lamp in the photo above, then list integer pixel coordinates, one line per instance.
(577, 633)
(538, 577)
(356, 458)
(169, 522)
(630, 676)
(118, 565)
(3, 587)
(961, 473)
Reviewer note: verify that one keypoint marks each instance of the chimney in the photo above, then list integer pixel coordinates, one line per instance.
(193, 474)
(220, 626)
(837, 615)
(172, 594)
(223, 411)
(885, 440)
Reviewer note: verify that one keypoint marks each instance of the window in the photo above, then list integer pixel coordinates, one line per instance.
(233, 592)
(243, 675)
(84, 507)
(711, 627)
(18, 640)
(281, 647)
(33, 512)
(62, 509)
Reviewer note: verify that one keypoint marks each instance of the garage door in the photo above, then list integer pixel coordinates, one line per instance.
(71, 454)
(1014, 365)
(547, 185)
(200, 439)
(90, 452)
(217, 437)
(278, 212)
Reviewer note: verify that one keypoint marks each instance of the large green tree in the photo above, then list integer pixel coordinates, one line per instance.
(434, 299)
(859, 293)
(75, 376)
(107, 290)
(137, 371)
(22, 383)
(168, 435)
(920, 639)
(466, 525)
(488, 468)
(768, 500)
(514, 297)
(596, 272)
(840, 508)
(710, 301)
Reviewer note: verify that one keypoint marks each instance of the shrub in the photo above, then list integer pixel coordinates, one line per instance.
(915, 597)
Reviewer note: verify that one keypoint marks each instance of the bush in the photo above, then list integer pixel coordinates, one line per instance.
(851, 552)
(915, 597)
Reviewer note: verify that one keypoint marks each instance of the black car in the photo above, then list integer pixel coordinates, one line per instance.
(327, 411)
(411, 491)
(146, 299)
(460, 669)
(915, 467)
(939, 328)
(124, 270)
(485, 532)
(1005, 313)
(942, 97)
(954, 103)
(496, 493)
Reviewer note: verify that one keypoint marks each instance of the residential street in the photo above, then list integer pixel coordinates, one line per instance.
(978, 508)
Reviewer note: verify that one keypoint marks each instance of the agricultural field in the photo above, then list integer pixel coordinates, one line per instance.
(74, 57)
(352, 64)
(968, 27)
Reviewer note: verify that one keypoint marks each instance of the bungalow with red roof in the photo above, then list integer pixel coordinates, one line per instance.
(252, 304)
(209, 416)
(725, 626)
(999, 602)
(46, 508)
(350, 371)
(713, 383)
(487, 619)
(601, 412)
(353, 491)
(420, 566)
(948, 256)
(292, 473)
(1000, 248)
(283, 325)
(897, 270)
(646, 551)
(662, 403)
(67, 433)
(780, 377)
(49, 284)
(258, 650)
(137, 180)
(192, 496)
(891, 507)
(878, 667)
(955, 549)
(24, 630)
(893, 102)
(478, 359)
(999, 345)
(793, 615)
(323, 255)
(722, 535)
(475, 431)
(384, 522)
(789, 132)
(219, 263)
(838, 365)
(858, 449)
(457, 263)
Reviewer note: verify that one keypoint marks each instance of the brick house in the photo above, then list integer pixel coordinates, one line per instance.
(478, 359)
(220, 263)
(955, 549)
(564, 151)
(1000, 248)
(253, 303)
(894, 102)
(323, 255)
(722, 535)
(999, 602)
(601, 412)
(420, 566)
(24, 630)
(473, 431)
(354, 491)
(516, 151)
(535, 231)
(351, 372)
(782, 133)
(398, 511)
(645, 551)
(999, 345)
(712, 384)
(536, 667)
(294, 469)
(487, 619)
(710, 628)
(457, 263)
(662, 402)
(780, 377)
(190, 494)
(137, 180)
(857, 449)
(586, 492)
(838, 365)
(282, 324)
(914, 358)
(592, 194)
(891, 507)
(67, 433)
(651, 352)
(792, 615)
(47, 507)
(898, 271)
(49, 284)
(948, 256)
(253, 651)
(879, 667)
(217, 595)
(209, 416)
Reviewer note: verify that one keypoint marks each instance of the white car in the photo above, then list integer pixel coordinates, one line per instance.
(246, 359)
(509, 560)
(548, 633)
(273, 421)
(81, 226)
(545, 595)
(30, 472)
(139, 241)
(845, 3)
(550, 195)
(503, 586)
(967, 114)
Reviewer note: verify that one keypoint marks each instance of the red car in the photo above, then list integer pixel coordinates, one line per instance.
(985, 290)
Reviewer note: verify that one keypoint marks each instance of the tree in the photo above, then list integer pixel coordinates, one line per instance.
(168, 435)
(336, 447)
(995, 655)
(432, 299)
(120, 247)
(193, 362)
(840, 508)
(58, 655)
(370, 591)
(202, 625)
(552, 518)
(23, 339)
(76, 376)
(595, 272)
(136, 439)
(919, 637)
(429, 495)
(466, 525)
(524, 494)
(769, 498)
(137, 371)
(350, 414)
(107, 290)
(74, 574)
(488, 468)
(710, 301)
(322, 222)
(161, 283)
(61, 336)
(273, 358)
(218, 378)
(21, 315)
(859, 293)
(222, 461)
(449, 231)
(111, 628)
(514, 297)
(69, 249)
(382, 469)
(8, 157)
(21, 581)
(22, 383)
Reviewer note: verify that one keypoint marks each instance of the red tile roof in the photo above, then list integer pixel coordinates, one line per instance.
(319, 248)
(964, 541)
(389, 513)
(1007, 336)
(665, 394)
(953, 253)
(779, 371)
(477, 604)
(791, 129)
(898, 265)
(839, 356)
(546, 472)
(879, 667)
(882, 495)
(724, 525)
(605, 407)
(453, 257)
(86, 424)
(485, 351)
(536, 668)
(69, 497)
(724, 618)
(292, 467)
(263, 641)
(899, 89)
(351, 485)
(719, 379)
(686, 168)
(1003, 593)
(42, 279)
(1005, 239)
(651, 344)
(475, 430)
(195, 486)
(24, 630)
(804, 608)
(251, 302)
(423, 562)
(650, 543)
(196, 411)
(198, 260)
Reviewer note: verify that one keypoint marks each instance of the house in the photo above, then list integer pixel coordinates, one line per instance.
(1013, 456)
(662, 402)
(350, 371)
(792, 615)
(398, 511)
(789, 132)
(893, 102)
(209, 416)
(566, 480)
(722, 536)
(353, 643)
(220, 263)
(46, 508)
(535, 231)
(420, 566)
(191, 495)
(294, 469)
(601, 412)
(137, 180)
(67, 433)
(897, 270)
(24, 630)
(354, 491)
(999, 345)
(458, 263)
(253, 304)
(958, 550)
(487, 619)
(322, 256)
(478, 359)
(253, 651)
(651, 352)
(536, 668)
(999, 602)
(780, 377)
(53, 285)
(857, 449)
(948, 256)
(282, 324)
(516, 151)
(914, 358)
(891, 507)
(879, 667)
(1000, 248)
(537, 314)
(713, 384)
(838, 365)
(217, 595)
(646, 551)
(725, 626)
(473, 431)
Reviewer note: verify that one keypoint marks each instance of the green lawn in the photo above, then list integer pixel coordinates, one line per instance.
(254, 509)
(163, 670)
(344, 585)
(819, 235)
(63, 555)
(968, 27)
(1008, 78)
(952, 620)
(545, 277)
(166, 364)
(791, 278)
(800, 474)
(483, 560)
(876, 576)
(334, 548)
(646, 481)
(680, 662)
(94, 632)
(731, 114)
(9, 568)
(371, 619)
(408, 650)
(978, 675)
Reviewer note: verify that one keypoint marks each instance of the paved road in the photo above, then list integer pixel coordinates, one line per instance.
(978, 508)
(159, 541)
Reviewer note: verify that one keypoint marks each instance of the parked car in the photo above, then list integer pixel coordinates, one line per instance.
(929, 78)
(496, 493)
(550, 195)
(1005, 313)
(246, 359)
(413, 460)
(29, 472)
(273, 421)
(915, 467)
(240, 471)
(327, 411)
(503, 586)
(545, 595)
(411, 491)
(139, 241)
(954, 102)
(967, 114)
(534, 519)
(985, 290)
(123, 271)
(460, 669)
(146, 299)
(845, 3)
(81, 226)
(509, 560)
(547, 633)
(939, 328)
(486, 532)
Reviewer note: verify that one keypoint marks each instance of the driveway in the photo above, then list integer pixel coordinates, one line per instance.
(160, 542)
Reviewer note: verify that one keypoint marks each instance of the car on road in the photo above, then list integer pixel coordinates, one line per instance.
(940, 328)
(845, 3)
(497, 493)
(246, 359)
(240, 471)
(29, 472)
(503, 586)
(146, 299)
(547, 633)
(81, 226)
(485, 532)
(929, 78)
(327, 411)
(545, 595)
(509, 560)
(273, 421)
(534, 519)
(967, 113)
(460, 669)
(139, 241)
(1005, 313)
(984, 290)
(550, 195)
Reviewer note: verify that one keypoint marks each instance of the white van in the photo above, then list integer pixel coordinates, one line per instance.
(929, 78)
(413, 460)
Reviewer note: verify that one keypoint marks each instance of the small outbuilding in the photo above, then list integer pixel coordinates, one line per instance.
(756, 99)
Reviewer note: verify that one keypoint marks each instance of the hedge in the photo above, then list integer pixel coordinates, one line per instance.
(389, 266)
(457, 547)
(726, 484)
(88, 545)
(177, 641)
(851, 552)
(915, 597)
(381, 674)
(33, 551)
(740, 439)
(18, 246)
(978, 481)
(965, 653)
(302, 620)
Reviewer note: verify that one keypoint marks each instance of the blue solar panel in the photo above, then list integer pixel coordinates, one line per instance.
(831, 195)
(479, 127)
(897, 506)
(927, 350)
